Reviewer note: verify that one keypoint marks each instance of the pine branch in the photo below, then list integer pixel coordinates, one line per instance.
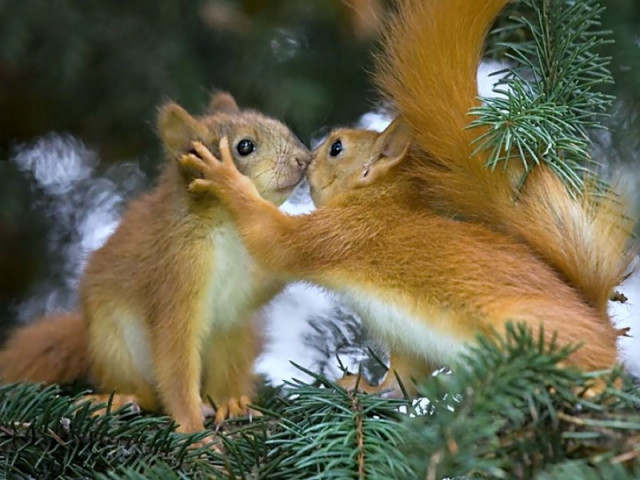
(45, 434)
(509, 411)
(551, 96)
(327, 432)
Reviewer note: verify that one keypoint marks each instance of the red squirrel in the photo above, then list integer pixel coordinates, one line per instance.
(425, 244)
(167, 304)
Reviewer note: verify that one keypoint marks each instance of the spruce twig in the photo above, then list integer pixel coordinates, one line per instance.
(329, 433)
(509, 411)
(46, 434)
(550, 98)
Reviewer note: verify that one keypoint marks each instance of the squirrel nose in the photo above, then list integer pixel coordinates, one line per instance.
(303, 162)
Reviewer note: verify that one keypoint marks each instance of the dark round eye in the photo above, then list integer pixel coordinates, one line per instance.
(336, 148)
(245, 147)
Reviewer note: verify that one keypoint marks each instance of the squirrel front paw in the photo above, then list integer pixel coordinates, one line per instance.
(218, 176)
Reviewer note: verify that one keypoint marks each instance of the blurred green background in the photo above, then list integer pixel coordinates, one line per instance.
(99, 70)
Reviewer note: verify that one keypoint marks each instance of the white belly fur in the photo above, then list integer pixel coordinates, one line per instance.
(138, 343)
(234, 284)
(401, 330)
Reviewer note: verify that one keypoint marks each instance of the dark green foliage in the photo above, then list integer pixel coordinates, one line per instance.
(506, 411)
(99, 70)
(44, 434)
(509, 411)
(581, 470)
(622, 17)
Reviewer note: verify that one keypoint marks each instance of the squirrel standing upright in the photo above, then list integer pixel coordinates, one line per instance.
(167, 302)
(428, 246)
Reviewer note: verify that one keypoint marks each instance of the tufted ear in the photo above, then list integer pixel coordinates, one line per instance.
(223, 102)
(392, 146)
(177, 129)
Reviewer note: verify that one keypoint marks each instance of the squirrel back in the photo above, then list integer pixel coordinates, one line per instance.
(427, 68)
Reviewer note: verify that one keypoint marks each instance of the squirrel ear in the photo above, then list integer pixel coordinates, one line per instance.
(395, 140)
(223, 102)
(392, 146)
(177, 129)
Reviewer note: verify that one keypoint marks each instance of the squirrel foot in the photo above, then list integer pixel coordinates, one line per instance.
(233, 408)
(599, 386)
(389, 388)
(211, 442)
(118, 401)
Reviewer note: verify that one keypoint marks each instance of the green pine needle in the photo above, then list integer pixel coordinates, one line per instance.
(551, 93)
(508, 411)
(45, 434)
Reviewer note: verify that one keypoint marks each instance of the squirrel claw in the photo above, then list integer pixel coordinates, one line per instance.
(234, 408)
(192, 161)
(211, 442)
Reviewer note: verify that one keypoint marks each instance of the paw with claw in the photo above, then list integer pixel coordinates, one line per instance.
(218, 176)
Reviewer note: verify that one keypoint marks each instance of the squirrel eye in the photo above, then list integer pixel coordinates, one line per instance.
(336, 148)
(245, 147)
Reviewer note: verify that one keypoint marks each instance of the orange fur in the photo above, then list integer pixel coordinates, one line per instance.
(169, 300)
(53, 349)
(431, 51)
(384, 236)
(457, 278)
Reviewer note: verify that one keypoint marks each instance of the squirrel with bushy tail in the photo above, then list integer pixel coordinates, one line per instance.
(168, 312)
(429, 246)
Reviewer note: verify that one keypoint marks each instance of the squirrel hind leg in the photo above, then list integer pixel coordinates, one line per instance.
(229, 381)
(405, 371)
(568, 323)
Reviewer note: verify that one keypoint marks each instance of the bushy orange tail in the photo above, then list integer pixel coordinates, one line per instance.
(427, 68)
(52, 350)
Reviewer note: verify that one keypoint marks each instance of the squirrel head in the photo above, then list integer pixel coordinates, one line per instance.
(351, 159)
(263, 148)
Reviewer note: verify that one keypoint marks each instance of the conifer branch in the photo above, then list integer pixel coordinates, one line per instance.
(550, 98)
(509, 411)
(46, 434)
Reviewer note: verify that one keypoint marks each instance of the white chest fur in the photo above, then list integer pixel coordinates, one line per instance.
(400, 329)
(235, 283)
